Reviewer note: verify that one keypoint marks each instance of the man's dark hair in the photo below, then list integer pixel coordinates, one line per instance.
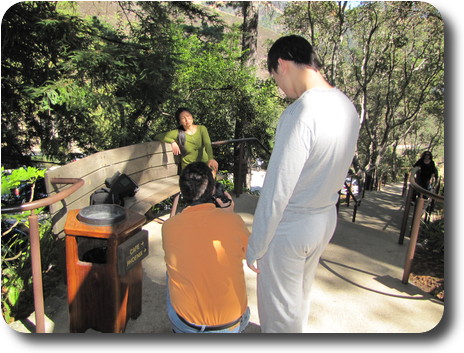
(293, 48)
(196, 183)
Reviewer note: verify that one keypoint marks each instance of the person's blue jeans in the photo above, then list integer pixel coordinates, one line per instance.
(178, 326)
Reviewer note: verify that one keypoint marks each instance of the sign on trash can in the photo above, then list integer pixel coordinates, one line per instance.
(132, 251)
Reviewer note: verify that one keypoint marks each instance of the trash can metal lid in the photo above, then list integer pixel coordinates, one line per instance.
(102, 215)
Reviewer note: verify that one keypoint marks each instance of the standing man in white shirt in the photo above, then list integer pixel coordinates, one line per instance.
(296, 216)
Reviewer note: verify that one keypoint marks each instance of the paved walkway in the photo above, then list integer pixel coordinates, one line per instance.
(358, 285)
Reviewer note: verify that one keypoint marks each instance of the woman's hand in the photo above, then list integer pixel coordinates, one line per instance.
(213, 164)
(175, 148)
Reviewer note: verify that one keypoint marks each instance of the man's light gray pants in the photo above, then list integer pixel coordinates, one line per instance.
(288, 269)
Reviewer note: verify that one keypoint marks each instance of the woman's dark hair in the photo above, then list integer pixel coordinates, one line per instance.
(181, 137)
(426, 153)
(196, 183)
(293, 48)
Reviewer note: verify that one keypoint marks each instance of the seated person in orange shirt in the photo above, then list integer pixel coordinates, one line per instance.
(204, 247)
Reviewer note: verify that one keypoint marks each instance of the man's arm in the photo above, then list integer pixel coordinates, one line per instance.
(287, 161)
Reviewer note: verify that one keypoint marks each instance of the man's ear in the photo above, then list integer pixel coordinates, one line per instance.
(283, 65)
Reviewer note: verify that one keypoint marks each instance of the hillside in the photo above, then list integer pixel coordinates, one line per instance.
(265, 37)
(109, 11)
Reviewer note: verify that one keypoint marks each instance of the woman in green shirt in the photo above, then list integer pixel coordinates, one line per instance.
(190, 141)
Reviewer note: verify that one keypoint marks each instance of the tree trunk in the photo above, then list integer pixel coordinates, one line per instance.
(249, 49)
(249, 32)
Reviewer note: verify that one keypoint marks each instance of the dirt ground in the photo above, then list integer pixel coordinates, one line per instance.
(428, 272)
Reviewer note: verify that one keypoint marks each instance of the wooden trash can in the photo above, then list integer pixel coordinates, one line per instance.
(104, 268)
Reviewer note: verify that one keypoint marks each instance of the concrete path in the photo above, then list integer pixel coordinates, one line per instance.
(358, 285)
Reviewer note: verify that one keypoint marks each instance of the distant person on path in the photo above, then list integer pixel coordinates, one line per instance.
(190, 141)
(295, 217)
(428, 170)
(204, 247)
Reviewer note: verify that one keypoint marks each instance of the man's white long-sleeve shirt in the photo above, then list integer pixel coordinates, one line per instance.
(314, 146)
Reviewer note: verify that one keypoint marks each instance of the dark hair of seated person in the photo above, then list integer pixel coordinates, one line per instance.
(196, 183)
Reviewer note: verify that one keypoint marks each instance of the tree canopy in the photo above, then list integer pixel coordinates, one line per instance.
(389, 58)
(86, 84)
(71, 81)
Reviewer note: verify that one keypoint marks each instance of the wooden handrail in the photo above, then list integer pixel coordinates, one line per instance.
(420, 189)
(76, 184)
(34, 237)
(419, 205)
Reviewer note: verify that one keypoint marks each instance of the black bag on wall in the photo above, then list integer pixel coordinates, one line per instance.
(104, 196)
(117, 187)
(122, 185)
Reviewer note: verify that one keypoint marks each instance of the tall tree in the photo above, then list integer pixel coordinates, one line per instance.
(250, 16)
(388, 57)
(94, 86)
(325, 25)
(398, 68)
(35, 40)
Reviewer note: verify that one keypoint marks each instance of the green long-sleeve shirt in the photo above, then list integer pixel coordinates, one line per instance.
(197, 146)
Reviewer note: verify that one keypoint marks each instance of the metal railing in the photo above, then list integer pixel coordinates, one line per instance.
(414, 188)
(35, 241)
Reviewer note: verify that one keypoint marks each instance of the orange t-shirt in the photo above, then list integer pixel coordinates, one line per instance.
(204, 247)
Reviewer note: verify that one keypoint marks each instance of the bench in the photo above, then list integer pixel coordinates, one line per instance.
(151, 165)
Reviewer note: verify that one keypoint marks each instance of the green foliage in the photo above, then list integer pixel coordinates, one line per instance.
(223, 95)
(35, 38)
(15, 247)
(98, 86)
(432, 235)
(17, 288)
(69, 82)
(29, 175)
(226, 182)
